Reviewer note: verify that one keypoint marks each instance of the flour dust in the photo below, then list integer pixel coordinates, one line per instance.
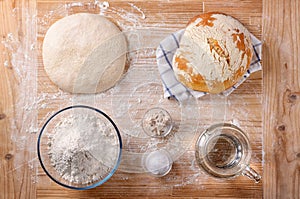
(83, 148)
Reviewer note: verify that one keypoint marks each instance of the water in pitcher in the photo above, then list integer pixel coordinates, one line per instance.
(224, 151)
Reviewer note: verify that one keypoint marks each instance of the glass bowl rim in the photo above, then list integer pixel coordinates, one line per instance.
(110, 173)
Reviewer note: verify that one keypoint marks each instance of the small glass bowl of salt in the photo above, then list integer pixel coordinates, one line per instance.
(79, 147)
(157, 163)
(157, 122)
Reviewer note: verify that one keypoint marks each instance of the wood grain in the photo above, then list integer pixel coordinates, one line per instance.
(16, 176)
(278, 97)
(281, 89)
(185, 179)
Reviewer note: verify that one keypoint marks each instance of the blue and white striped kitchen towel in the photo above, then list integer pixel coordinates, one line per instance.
(173, 88)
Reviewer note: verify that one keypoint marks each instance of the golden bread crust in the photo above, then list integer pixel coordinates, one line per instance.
(208, 63)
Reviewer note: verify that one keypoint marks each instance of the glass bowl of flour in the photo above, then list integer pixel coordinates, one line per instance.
(79, 147)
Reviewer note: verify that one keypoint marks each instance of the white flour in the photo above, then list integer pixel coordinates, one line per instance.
(83, 148)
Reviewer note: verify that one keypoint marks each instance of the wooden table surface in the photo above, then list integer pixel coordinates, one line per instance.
(266, 106)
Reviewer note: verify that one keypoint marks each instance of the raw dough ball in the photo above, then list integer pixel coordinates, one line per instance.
(215, 51)
(84, 53)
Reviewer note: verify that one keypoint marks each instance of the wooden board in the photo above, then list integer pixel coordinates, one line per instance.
(27, 96)
(281, 102)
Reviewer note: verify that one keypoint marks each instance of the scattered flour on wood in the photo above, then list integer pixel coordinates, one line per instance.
(138, 9)
(83, 148)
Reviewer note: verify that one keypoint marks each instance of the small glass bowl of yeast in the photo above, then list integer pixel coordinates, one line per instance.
(157, 122)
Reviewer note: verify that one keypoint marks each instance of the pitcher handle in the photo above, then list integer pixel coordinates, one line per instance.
(252, 174)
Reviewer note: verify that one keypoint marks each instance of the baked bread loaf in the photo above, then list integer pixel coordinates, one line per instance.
(214, 53)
